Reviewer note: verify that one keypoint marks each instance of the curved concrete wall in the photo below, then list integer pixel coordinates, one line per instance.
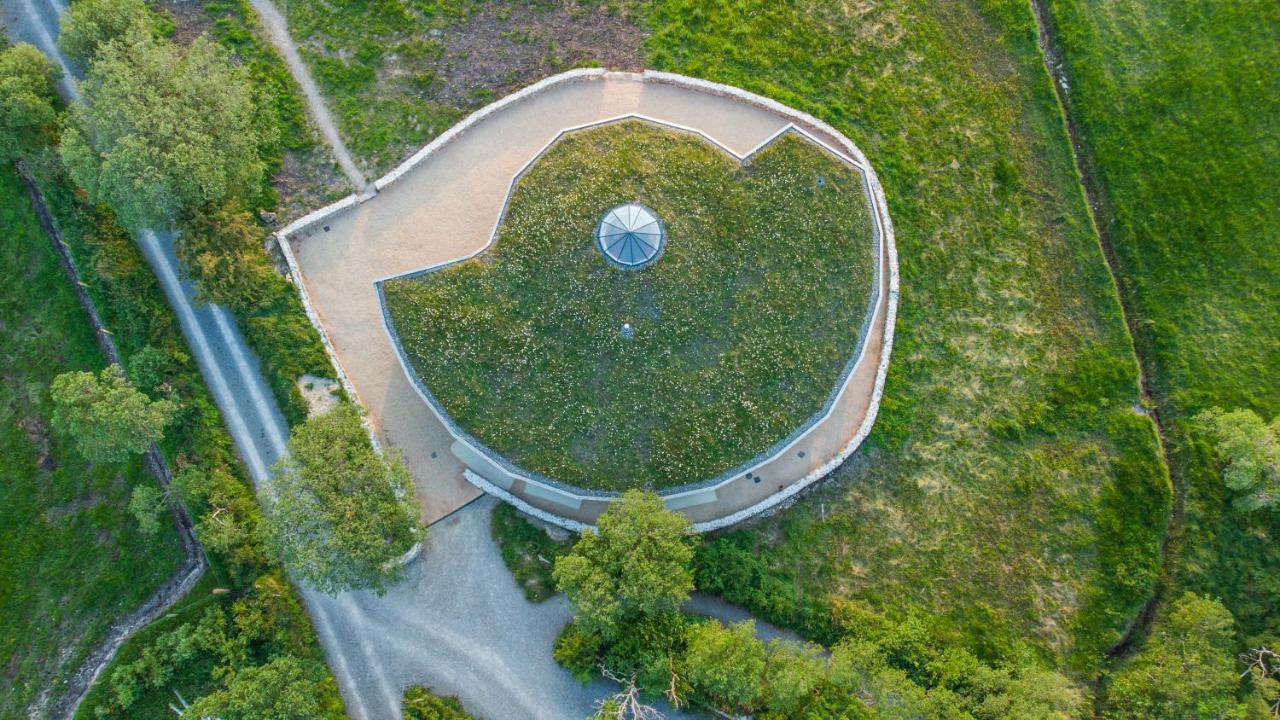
(713, 503)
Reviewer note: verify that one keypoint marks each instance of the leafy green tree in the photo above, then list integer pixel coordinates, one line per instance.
(422, 704)
(108, 419)
(283, 689)
(164, 129)
(638, 564)
(88, 25)
(858, 669)
(793, 672)
(227, 518)
(146, 503)
(725, 664)
(1035, 694)
(340, 515)
(28, 119)
(220, 248)
(1187, 669)
(1250, 451)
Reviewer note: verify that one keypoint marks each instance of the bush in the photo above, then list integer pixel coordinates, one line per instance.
(90, 24)
(422, 704)
(527, 550)
(28, 118)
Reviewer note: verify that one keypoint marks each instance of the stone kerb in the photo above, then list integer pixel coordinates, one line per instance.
(817, 131)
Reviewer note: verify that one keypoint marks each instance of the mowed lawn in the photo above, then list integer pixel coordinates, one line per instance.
(72, 559)
(1010, 492)
(1179, 108)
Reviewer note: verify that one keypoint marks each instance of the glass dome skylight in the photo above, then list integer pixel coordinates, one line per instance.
(630, 236)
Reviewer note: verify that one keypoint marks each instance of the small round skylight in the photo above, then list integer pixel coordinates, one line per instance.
(630, 236)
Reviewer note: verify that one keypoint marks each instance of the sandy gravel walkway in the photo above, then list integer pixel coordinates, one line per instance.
(445, 208)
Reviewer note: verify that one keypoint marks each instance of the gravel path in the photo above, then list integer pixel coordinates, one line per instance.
(278, 31)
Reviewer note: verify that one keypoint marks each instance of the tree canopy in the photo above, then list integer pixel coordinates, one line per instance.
(220, 248)
(1250, 452)
(107, 417)
(28, 119)
(1187, 669)
(164, 129)
(638, 564)
(725, 663)
(282, 689)
(340, 515)
(88, 25)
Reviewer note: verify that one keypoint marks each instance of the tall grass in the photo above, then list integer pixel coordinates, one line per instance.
(72, 559)
(1010, 490)
(1178, 105)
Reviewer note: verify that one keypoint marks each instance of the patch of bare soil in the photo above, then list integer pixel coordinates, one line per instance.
(307, 179)
(38, 435)
(507, 45)
(58, 512)
(189, 19)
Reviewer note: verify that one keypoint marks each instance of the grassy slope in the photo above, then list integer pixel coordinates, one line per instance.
(1012, 489)
(742, 328)
(133, 306)
(399, 72)
(1178, 104)
(71, 557)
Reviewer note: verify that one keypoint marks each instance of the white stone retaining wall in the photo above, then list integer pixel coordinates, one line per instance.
(803, 122)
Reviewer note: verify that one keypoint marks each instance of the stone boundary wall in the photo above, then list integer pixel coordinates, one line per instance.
(818, 130)
(749, 466)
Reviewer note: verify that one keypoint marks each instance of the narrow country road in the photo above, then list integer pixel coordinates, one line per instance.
(278, 30)
(458, 623)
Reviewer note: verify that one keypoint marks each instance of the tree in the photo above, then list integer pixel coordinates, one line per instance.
(637, 564)
(725, 664)
(858, 669)
(220, 248)
(422, 704)
(339, 515)
(792, 674)
(1035, 694)
(146, 503)
(1250, 451)
(107, 418)
(28, 119)
(88, 25)
(1187, 669)
(227, 517)
(283, 689)
(164, 129)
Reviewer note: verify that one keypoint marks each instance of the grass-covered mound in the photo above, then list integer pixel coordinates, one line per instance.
(742, 327)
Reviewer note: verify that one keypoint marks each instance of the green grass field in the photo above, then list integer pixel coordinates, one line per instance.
(1179, 110)
(742, 327)
(72, 559)
(1010, 490)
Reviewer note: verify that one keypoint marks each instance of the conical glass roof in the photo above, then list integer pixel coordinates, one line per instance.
(630, 236)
